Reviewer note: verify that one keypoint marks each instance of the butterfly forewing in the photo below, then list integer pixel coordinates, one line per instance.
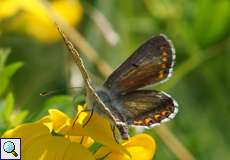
(152, 62)
(147, 107)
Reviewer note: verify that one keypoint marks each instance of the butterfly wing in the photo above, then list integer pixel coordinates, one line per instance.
(147, 107)
(152, 62)
(91, 92)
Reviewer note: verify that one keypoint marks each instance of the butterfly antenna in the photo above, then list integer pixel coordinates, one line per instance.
(47, 93)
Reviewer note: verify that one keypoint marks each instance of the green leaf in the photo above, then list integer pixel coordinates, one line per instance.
(4, 83)
(6, 73)
(59, 102)
(9, 105)
(64, 103)
(10, 70)
(4, 53)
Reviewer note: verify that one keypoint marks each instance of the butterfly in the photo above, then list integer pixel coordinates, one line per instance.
(121, 99)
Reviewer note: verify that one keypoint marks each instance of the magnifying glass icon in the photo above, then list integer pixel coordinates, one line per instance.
(9, 147)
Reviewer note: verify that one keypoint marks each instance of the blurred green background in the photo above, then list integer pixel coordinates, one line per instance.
(200, 84)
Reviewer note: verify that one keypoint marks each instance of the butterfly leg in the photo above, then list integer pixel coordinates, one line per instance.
(90, 116)
(85, 110)
(113, 128)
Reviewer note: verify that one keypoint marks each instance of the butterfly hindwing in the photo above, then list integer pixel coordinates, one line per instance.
(147, 107)
(152, 62)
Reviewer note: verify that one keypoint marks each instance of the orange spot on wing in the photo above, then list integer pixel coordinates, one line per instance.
(163, 66)
(164, 59)
(148, 121)
(164, 54)
(161, 74)
(157, 117)
(165, 113)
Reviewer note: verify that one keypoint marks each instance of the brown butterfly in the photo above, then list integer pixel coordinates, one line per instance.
(120, 99)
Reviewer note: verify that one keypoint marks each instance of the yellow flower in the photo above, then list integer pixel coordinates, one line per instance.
(38, 143)
(39, 140)
(34, 19)
(104, 135)
(65, 138)
(140, 147)
(8, 8)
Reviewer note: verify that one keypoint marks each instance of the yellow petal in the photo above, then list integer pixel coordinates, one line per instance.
(60, 121)
(38, 143)
(82, 115)
(56, 148)
(41, 29)
(140, 147)
(99, 129)
(9, 8)
(70, 10)
(27, 132)
(34, 18)
(40, 26)
(84, 140)
(45, 119)
(47, 122)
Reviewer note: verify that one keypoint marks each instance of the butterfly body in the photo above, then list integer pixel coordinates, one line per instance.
(122, 99)
(109, 101)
